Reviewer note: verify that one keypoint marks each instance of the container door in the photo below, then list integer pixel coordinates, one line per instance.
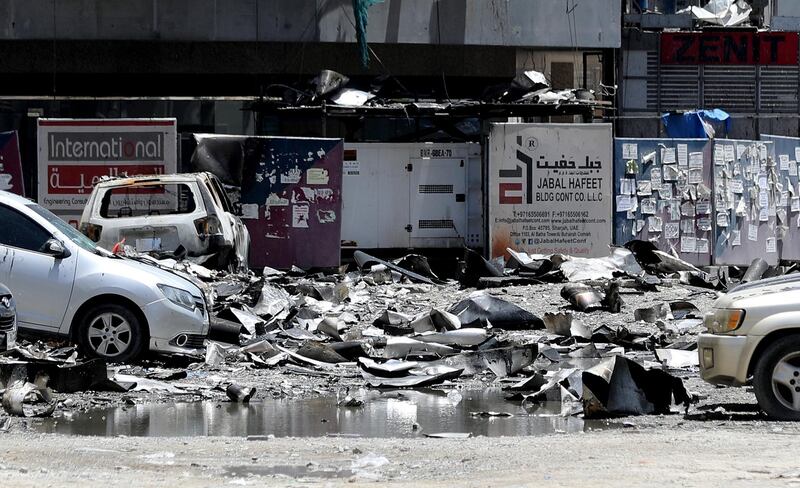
(438, 200)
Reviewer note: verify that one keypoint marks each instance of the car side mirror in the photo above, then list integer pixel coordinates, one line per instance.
(56, 248)
(237, 209)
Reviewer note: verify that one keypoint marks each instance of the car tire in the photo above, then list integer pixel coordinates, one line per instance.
(776, 379)
(111, 332)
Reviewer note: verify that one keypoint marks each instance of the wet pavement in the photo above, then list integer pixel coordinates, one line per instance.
(399, 413)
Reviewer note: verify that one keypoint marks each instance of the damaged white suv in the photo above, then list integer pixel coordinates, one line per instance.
(160, 213)
(114, 307)
(754, 331)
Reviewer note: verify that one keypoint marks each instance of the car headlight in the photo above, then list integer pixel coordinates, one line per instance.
(724, 320)
(178, 296)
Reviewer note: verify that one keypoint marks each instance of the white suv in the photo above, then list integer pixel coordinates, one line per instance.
(114, 307)
(162, 212)
(754, 331)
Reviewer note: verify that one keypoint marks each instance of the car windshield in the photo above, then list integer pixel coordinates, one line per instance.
(63, 227)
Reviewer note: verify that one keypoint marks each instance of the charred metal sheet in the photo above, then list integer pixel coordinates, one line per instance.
(476, 267)
(418, 264)
(400, 347)
(417, 378)
(681, 310)
(273, 301)
(391, 368)
(63, 378)
(318, 352)
(462, 337)
(620, 386)
(363, 259)
(651, 259)
(482, 309)
(567, 325)
(435, 320)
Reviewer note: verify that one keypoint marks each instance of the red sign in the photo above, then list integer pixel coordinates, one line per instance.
(10, 164)
(730, 48)
(73, 179)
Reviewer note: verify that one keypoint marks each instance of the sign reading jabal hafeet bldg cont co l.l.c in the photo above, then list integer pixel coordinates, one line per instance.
(550, 188)
(74, 154)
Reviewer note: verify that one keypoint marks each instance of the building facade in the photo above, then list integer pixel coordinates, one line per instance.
(206, 62)
(670, 63)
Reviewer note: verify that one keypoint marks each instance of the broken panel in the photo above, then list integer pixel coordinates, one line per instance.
(291, 201)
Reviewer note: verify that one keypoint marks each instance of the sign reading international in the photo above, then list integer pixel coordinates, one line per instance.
(74, 154)
(550, 188)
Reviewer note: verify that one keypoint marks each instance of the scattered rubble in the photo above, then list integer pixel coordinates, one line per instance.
(396, 324)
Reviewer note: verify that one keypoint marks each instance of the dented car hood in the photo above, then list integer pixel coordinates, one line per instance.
(752, 294)
(159, 274)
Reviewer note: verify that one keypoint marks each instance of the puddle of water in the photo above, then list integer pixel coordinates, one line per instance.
(384, 414)
(292, 471)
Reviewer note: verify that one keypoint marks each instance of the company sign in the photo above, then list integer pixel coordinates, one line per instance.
(105, 146)
(550, 188)
(74, 154)
(730, 48)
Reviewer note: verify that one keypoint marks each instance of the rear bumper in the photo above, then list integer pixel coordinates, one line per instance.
(171, 236)
(724, 359)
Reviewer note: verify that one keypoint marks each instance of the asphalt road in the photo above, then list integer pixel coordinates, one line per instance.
(719, 455)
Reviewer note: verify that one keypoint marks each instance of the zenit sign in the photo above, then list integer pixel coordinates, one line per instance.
(105, 146)
(730, 48)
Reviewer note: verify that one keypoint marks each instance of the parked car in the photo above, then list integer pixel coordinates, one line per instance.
(114, 307)
(754, 332)
(8, 319)
(160, 213)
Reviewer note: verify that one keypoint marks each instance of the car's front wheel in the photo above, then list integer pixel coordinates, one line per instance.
(111, 332)
(776, 379)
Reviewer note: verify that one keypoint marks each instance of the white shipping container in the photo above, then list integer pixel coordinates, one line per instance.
(421, 195)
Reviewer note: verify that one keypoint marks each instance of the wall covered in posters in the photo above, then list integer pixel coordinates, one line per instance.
(749, 193)
(11, 164)
(73, 154)
(550, 188)
(786, 151)
(291, 201)
(663, 193)
(727, 203)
